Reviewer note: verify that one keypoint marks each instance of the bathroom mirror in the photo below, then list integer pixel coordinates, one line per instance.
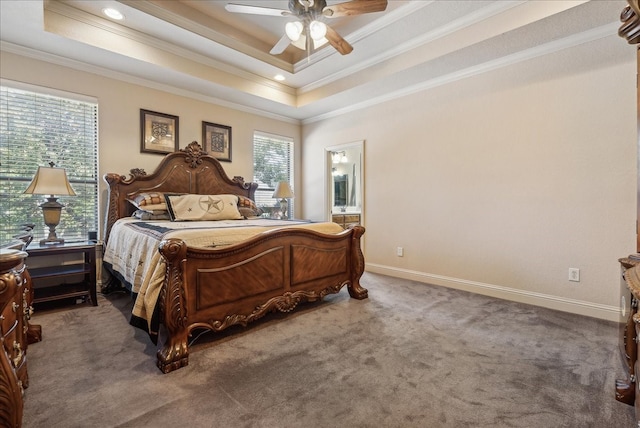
(345, 179)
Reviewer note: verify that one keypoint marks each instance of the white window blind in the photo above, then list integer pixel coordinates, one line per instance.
(272, 162)
(38, 128)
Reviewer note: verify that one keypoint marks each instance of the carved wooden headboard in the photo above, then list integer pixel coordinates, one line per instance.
(189, 170)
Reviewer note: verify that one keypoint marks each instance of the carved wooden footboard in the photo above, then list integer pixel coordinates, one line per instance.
(238, 284)
(215, 289)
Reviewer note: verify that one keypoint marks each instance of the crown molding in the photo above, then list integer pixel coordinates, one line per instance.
(483, 14)
(144, 39)
(174, 13)
(527, 54)
(127, 78)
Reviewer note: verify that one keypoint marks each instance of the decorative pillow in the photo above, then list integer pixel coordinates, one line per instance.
(203, 207)
(151, 201)
(151, 215)
(248, 208)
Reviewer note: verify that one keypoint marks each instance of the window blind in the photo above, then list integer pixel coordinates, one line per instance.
(37, 128)
(272, 162)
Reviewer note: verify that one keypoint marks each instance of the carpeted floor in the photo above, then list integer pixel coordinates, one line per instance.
(412, 355)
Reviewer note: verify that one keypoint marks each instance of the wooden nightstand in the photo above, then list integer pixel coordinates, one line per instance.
(69, 270)
(346, 220)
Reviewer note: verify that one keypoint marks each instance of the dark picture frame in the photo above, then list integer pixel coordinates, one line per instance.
(158, 132)
(216, 140)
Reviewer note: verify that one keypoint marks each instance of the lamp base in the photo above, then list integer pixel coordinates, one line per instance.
(284, 205)
(51, 211)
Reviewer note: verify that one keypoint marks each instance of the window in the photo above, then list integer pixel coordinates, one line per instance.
(272, 162)
(38, 126)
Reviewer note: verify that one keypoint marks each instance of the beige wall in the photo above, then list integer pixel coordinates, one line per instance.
(119, 117)
(500, 182)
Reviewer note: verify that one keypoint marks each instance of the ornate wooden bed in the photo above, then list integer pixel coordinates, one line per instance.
(220, 287)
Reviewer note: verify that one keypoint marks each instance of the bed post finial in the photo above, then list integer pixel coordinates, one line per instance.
(194, 154)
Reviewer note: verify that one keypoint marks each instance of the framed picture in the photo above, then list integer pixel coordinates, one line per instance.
(216, 140)
(159, 132)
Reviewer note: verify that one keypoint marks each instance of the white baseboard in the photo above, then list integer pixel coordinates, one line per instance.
(610, 313)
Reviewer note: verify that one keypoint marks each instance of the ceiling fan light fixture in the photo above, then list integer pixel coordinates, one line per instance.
(317, 44)
(317, 30)
(293, 30)
(308, 32)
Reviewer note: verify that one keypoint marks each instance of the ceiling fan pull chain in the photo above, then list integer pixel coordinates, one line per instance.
(308, 34)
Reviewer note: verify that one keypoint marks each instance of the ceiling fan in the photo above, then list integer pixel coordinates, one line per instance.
(309, 28)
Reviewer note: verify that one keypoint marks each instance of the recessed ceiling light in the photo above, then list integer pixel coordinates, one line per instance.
(113, 13)
(279, 77)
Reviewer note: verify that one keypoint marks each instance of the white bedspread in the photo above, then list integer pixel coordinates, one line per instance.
(132, 252)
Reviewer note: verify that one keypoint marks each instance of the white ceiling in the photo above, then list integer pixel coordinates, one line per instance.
(196, 47)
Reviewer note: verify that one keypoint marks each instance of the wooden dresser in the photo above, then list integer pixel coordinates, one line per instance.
(627, 388)
(346, 220)
(16, 296)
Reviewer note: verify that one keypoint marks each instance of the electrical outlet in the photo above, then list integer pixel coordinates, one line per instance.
(399, 251)
(574, 274)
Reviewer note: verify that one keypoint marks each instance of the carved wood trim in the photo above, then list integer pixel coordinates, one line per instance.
(13, 369)
(287, 302)
(173, 351)
(357, 257)
(630, 17)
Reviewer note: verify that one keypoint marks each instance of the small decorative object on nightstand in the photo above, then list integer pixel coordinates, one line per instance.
(51, 181)
(75, 279)
(283, 192)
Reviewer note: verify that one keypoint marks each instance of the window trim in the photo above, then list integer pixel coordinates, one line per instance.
(291, 167)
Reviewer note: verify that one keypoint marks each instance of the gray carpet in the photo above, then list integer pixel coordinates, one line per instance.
(412, 355)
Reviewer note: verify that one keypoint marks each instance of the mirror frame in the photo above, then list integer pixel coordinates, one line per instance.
(328, 184)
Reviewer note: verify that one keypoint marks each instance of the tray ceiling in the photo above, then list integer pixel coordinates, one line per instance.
(197, 47)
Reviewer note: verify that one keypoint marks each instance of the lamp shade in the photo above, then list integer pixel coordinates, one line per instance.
(317, 30)
(50, 181)
(283, 190)
(293, 30)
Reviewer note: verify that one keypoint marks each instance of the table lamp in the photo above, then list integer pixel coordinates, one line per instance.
(50, 181)
(282, 192)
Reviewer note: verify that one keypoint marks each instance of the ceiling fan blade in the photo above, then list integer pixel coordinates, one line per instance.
(256, 10)
(338, 42)
(354, 7)
(279, 47)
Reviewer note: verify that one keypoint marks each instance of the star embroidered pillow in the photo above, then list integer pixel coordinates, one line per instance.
(203, 207)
